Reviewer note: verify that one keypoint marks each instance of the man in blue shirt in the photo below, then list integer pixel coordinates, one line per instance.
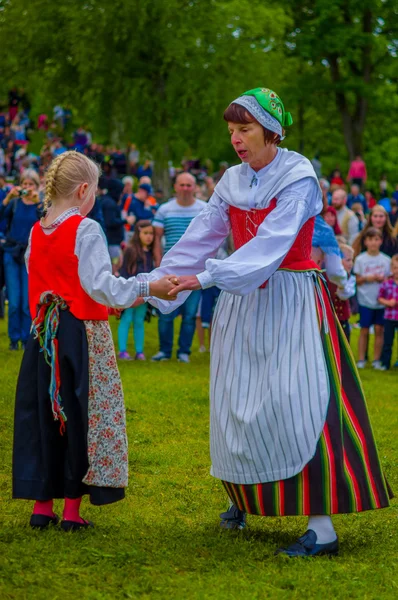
(356, 196)
(171, 222)
(139, 209)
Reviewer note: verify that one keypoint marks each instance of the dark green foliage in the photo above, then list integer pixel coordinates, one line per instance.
(161, 73)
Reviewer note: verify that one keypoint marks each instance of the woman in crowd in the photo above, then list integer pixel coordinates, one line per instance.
(378, 217)
(21, 209)
(330, 216)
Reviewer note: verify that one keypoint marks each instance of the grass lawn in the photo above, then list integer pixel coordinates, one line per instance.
(164, 541)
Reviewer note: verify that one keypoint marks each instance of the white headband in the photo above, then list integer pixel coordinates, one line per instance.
(261, 115)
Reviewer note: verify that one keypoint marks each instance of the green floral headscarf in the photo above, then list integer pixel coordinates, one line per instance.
(271, 102)
(267, 108)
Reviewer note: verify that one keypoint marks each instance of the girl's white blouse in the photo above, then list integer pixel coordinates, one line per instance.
(95, 267)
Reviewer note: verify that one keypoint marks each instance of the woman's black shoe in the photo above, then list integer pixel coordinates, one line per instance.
(13, 346)
(75, 525)
(42, 521)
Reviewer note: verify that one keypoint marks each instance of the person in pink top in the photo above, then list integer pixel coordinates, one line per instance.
(357, 171)
(388, 297)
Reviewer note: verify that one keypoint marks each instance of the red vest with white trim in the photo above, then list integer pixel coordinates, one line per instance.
(244, 224)
(53, 266)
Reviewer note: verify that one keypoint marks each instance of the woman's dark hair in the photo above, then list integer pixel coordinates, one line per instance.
(134, 252)
(235, 113)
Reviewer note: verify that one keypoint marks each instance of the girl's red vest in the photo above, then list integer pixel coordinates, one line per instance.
(53, 266)
(244, 224)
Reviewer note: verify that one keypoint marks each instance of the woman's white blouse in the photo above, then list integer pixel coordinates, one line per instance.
(252, 264)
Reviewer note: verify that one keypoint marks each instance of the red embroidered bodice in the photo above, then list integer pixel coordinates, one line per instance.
(244, 224)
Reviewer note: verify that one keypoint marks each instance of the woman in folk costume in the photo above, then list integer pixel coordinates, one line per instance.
(70, 429)
(290, 433)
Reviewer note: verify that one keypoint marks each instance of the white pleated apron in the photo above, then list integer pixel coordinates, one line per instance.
(269, 389)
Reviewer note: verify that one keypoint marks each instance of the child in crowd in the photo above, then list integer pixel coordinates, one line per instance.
(137, 258)
(388, 297)
(69, 428)
(371, 268)
(340, 296)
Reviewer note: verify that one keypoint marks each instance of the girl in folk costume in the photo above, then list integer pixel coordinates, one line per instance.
(70, 430)
(290, 433)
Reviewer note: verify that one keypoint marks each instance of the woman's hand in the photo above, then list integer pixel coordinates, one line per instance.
(34, 197)
(14, 193)
(164, 288)
(187, 282)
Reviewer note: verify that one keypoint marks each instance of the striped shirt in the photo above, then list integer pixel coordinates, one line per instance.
(175, 219)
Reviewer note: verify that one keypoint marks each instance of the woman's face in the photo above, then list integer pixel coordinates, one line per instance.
(30, 186)
(146, 236)
(378, 219)
(248, 141)
(330, 219)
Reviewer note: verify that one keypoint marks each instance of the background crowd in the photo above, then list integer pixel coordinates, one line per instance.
(141, 222)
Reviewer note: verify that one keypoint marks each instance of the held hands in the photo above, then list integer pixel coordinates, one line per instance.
(164, 288)
(169, 286)
(186, 283)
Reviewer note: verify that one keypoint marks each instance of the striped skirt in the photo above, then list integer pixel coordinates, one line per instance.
(344, 475)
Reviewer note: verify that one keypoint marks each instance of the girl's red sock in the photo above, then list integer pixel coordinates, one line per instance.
(71, 510)
(44, 508)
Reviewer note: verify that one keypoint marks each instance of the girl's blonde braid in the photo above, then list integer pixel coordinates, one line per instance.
(51, 179)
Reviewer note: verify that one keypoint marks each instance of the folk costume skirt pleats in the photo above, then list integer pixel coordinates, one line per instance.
(343, 472)
(90, 457)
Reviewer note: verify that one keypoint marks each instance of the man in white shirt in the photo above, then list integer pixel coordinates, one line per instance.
(348, 221)
(171, 221)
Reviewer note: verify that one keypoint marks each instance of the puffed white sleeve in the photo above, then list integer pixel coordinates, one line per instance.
(335, 270)
(247, 268)
(95, 270)
(348, 290)
(201, 241)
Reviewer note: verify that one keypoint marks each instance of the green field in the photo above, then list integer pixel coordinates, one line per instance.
(164, 541)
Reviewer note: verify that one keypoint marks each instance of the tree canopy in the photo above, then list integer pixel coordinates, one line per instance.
(161, 73)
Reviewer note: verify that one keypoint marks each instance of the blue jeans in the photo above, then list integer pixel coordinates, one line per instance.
(135, 317)
(209, 300)
(166, 326)
(19, 320)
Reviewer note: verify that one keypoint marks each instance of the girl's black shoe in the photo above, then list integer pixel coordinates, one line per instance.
(75, 525)
(42, 521)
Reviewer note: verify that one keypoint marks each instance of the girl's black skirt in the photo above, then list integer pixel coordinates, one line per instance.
(47, 464)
